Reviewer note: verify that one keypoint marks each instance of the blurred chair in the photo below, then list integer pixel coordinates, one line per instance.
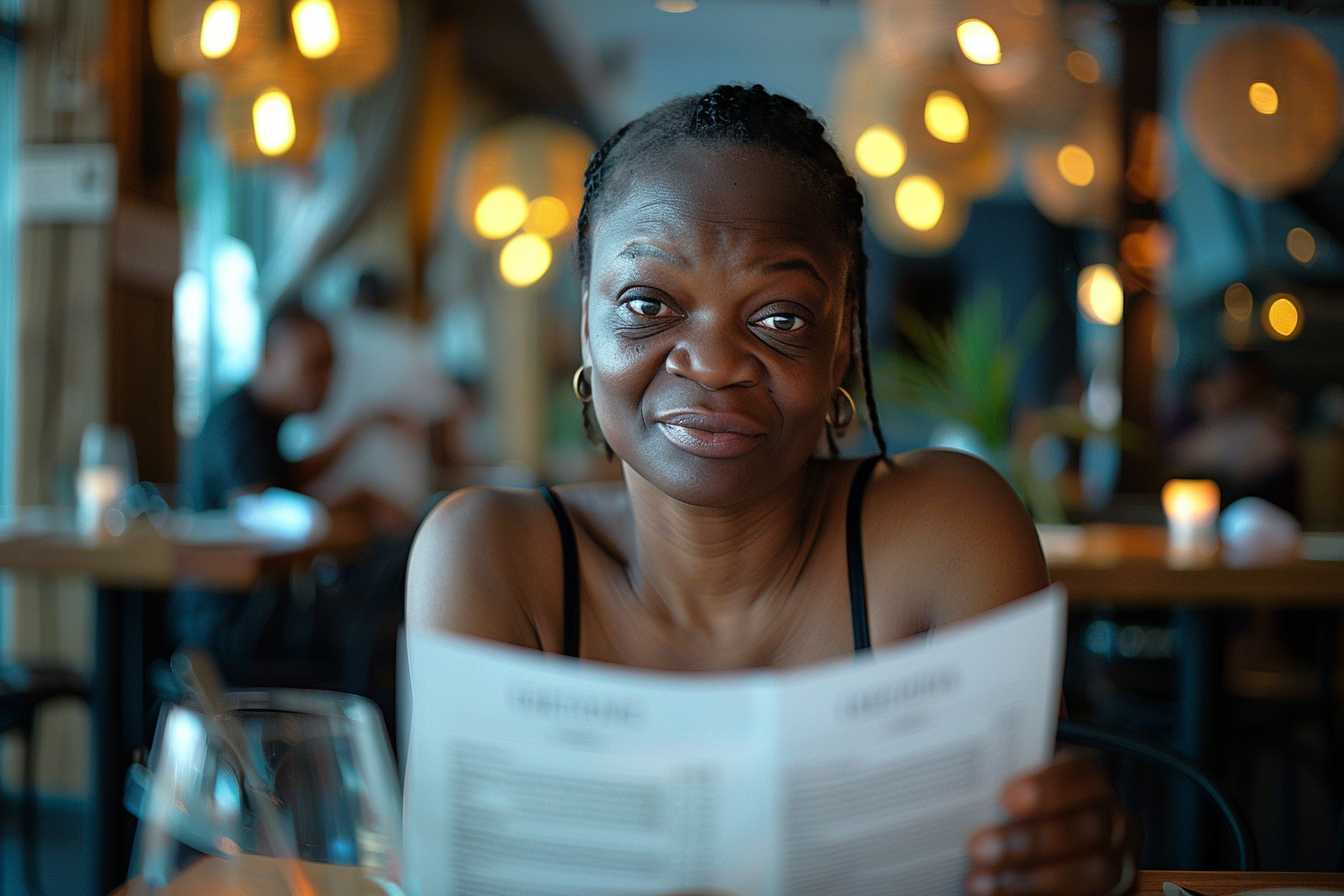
(1104, 740)
(23, 688)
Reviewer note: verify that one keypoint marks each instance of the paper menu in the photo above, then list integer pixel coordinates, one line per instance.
(531, 774)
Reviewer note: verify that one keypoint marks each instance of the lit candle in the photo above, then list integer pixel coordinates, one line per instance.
(1191, 506)
(97, 490)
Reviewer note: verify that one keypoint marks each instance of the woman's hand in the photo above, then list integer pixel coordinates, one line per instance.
(1068, 835)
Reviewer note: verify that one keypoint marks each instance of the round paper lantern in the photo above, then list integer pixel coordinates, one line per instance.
(1073, 177)
(190, 35)
(350, 44)
(525, 175)
(270, 109)
(1264, 112)
(916, 214)
(944, 125)
(1027, 46)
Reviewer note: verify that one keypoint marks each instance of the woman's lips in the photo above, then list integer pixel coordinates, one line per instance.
(710, 435)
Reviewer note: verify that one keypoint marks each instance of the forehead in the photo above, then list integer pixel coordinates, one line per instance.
(725, 196)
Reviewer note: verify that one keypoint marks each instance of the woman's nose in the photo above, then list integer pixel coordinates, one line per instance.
(715, 360)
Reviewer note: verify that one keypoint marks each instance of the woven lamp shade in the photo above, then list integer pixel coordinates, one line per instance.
(369, 37)
(1031, 45)
(278, 69)
(1074, 176)
(540, 158)
(175, 32)
(880, 209)
(1263, 110)
(977, 165)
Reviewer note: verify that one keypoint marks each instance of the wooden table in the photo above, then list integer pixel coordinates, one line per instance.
(1220, 883)
(141, 560)
(1126, 567)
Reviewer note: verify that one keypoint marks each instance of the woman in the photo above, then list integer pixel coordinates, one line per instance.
(723, 272)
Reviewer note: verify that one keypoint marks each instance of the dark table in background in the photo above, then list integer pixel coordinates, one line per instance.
(124, 570)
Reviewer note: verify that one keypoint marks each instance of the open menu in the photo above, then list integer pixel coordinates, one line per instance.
(534, 774)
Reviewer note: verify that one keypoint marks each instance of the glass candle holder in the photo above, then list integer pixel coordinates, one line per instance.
(1191, 507)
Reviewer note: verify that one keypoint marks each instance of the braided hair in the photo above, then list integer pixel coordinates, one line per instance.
(743, 116)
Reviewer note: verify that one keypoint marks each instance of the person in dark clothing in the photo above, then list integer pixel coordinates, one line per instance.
(319, 634)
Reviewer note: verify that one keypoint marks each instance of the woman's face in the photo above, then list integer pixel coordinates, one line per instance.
(715, 322)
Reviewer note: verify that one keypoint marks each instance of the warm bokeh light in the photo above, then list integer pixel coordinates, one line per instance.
(1084, 66)
(273, 123)
(1031, 8)
(524, 259)
(880, 151)
(1100, 296)
(1190, 501)
(1282, 316)
(1075, 165)
(675, 5)
(1264, 98)
(315, 28)
(1238, 301)
(547, 217)
(919, 202)
(500, 212)
(945, 117)
(1301, 245)
(979, 42)
(219, 28)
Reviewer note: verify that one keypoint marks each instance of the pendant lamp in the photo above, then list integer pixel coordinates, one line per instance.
(1073, 176)
(190, 35)
(522, 177)
(271, 109)
(1012, 50)
(916, 214)
(350, 44)
(1263, 110)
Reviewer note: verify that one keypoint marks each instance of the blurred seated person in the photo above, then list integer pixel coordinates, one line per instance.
(1240, 437)
(384, 365)
(260, 637)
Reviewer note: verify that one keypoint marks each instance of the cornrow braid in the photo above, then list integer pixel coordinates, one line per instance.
(744, 116)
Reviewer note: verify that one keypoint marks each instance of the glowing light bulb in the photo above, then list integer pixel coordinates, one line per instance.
(1238, 301)
(273, 123)
(547, 217)
(945, 117)
(1084, 66)
(1075, 165)
(979, 42)
(675, 5)
(919, 202)
(315, 28)
(1282, 317)
(524, 259)
(500, 212)
(219, 28)
(1264, 98)
(1100, 297)
(1301, 245)
(880, 151)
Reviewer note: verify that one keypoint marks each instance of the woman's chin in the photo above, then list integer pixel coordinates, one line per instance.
(700, 481)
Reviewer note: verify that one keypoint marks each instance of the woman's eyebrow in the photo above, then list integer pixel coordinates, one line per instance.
(643, 250)
(796, 264)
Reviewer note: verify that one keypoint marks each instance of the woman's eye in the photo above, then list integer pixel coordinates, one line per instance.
(645, 307)
(782, 322)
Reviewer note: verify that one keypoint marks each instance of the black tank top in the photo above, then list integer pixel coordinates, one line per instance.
(858, 595)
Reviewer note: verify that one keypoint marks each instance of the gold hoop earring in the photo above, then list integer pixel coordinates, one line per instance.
(839, 423)
(583, 390)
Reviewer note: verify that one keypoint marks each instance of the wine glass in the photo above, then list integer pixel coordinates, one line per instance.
(322, 760)
(106, 471)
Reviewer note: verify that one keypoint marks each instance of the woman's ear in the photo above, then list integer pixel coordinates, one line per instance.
(583, 328)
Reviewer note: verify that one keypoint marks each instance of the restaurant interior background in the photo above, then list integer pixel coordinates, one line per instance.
(1100, 261)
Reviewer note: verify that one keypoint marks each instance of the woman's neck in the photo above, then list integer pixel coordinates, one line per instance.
(710, 566)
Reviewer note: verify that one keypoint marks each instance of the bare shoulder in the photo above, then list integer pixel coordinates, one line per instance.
(945, 530)
(477, 557)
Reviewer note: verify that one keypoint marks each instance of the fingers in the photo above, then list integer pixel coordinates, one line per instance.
(1075, 779)
(1063, 836)
(1095, 873)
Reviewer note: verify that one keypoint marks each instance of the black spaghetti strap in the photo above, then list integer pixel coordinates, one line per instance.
(569, 551)
(858, 592)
